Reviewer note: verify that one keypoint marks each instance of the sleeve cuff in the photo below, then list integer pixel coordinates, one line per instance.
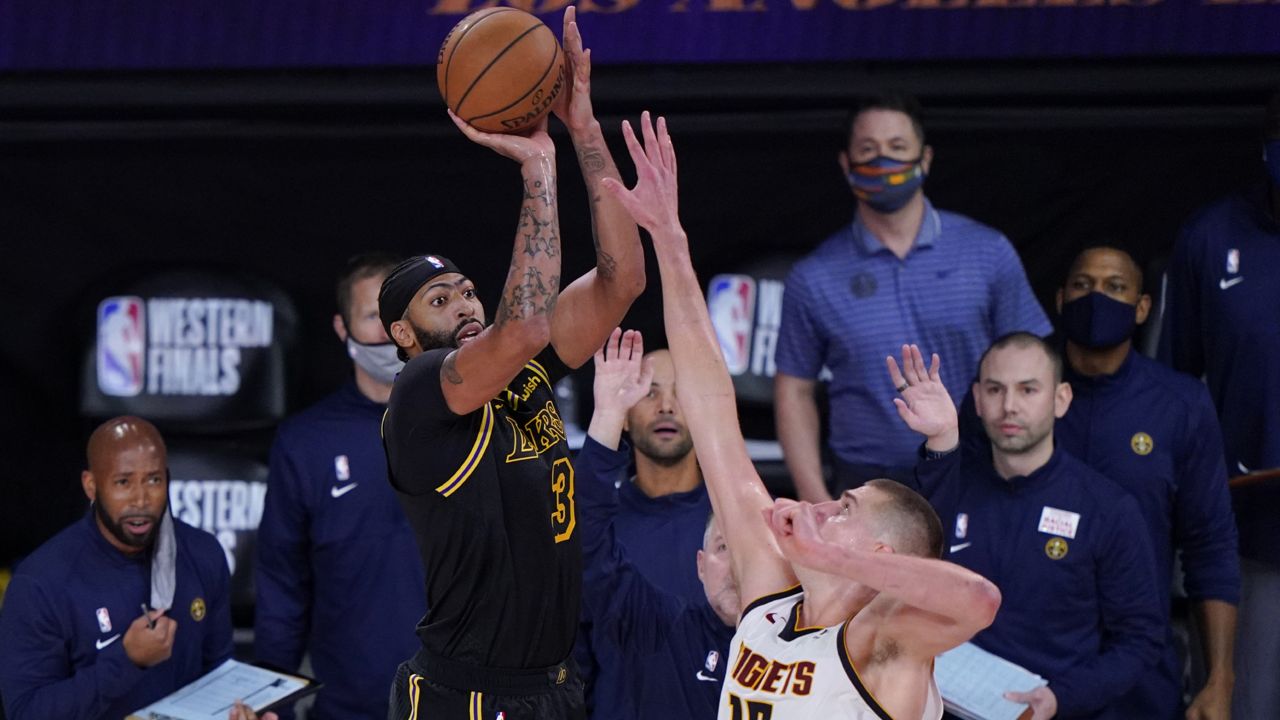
(927, 455)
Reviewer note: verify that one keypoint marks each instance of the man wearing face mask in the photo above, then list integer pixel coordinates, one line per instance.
(121, 608)
(1154, 432)
(334, 572)
(901, 270)
(1222, 321)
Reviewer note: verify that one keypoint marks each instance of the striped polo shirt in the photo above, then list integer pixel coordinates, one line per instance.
(851, 302)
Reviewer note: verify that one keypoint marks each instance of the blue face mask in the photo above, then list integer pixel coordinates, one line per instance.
(1097, 321)
(1271, 156)
(887, 184)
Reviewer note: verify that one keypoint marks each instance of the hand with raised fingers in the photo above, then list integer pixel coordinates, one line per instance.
(925, 405)
(621, 375)
(654, 202)
(573, 106)
(622, 378)
(519, 147)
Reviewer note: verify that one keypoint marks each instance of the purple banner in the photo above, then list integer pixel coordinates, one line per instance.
(186, 34)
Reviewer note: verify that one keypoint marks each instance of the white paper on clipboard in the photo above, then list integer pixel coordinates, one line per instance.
(213, 694)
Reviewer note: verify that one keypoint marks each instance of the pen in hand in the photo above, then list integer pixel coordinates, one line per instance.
(151, 622)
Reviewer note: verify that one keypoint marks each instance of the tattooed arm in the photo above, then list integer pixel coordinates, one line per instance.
(594, 304)
(521, 328)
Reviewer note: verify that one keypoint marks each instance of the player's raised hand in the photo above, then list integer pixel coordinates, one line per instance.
(925, 404)
(573, 106)
(521, 148)
(654, 201)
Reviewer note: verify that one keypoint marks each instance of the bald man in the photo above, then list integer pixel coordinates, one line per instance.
(121, 608)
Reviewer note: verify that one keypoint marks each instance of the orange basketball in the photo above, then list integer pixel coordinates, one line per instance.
(500, 69)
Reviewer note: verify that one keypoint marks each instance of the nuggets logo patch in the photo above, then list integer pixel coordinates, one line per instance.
(1056, 548)
(197, 609)
(1142, 443)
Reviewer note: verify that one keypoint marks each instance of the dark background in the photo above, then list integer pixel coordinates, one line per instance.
(286, 174)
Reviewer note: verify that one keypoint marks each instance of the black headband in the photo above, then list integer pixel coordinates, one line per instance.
(404, 281)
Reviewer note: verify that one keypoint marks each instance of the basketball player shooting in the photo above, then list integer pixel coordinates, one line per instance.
(476, 448)
(856, 636)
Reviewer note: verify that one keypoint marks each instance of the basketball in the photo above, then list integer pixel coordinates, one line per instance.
(500, 69)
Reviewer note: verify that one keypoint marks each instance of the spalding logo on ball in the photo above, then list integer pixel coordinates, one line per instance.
(500, 69)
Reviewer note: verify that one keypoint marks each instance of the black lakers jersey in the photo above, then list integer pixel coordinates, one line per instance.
(490, 497)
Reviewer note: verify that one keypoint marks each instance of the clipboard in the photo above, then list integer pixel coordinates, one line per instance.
(972, 683)
(211, 696)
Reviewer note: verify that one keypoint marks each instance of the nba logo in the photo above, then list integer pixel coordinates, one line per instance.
(341, 468)
(1233, 261)
(121, 345)
(713, 659)
(962, 525)
(434, 262)
(731, 302)
(104, 620)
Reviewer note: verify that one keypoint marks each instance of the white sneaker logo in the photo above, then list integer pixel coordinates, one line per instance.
(1225, 283)
(961, 546)
(103, 643)
(706, 678)
(340, 491)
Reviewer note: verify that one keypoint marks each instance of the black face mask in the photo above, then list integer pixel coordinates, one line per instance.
(1097, 321)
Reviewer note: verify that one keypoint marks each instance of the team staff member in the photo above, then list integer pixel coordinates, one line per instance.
(660, 520)
(1154, 432)
(121, 608)
(1222, 312)
(901, 269)
(671, 651)
(330, 572)
(1222, 321)
(476, 449)
(859, 637)
(1081, 607)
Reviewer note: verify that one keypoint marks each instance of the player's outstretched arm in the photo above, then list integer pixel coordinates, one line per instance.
(521, 328)
(595, 303)
(925, 405)
(943, 604)
(702, 380)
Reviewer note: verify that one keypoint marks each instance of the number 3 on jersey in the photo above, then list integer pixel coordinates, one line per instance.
(562, 518)
(754, 709)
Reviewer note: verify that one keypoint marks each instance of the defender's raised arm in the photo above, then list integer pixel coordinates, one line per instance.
(702, 380)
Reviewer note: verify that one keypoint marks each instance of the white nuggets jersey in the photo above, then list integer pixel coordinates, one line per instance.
(780, 671)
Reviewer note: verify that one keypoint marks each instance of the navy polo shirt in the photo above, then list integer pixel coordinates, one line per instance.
(852, 302)
(667, 651)
(1154, 432)
(1222, 321)
(337, 569)
(71, 602)
(1073, 562)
